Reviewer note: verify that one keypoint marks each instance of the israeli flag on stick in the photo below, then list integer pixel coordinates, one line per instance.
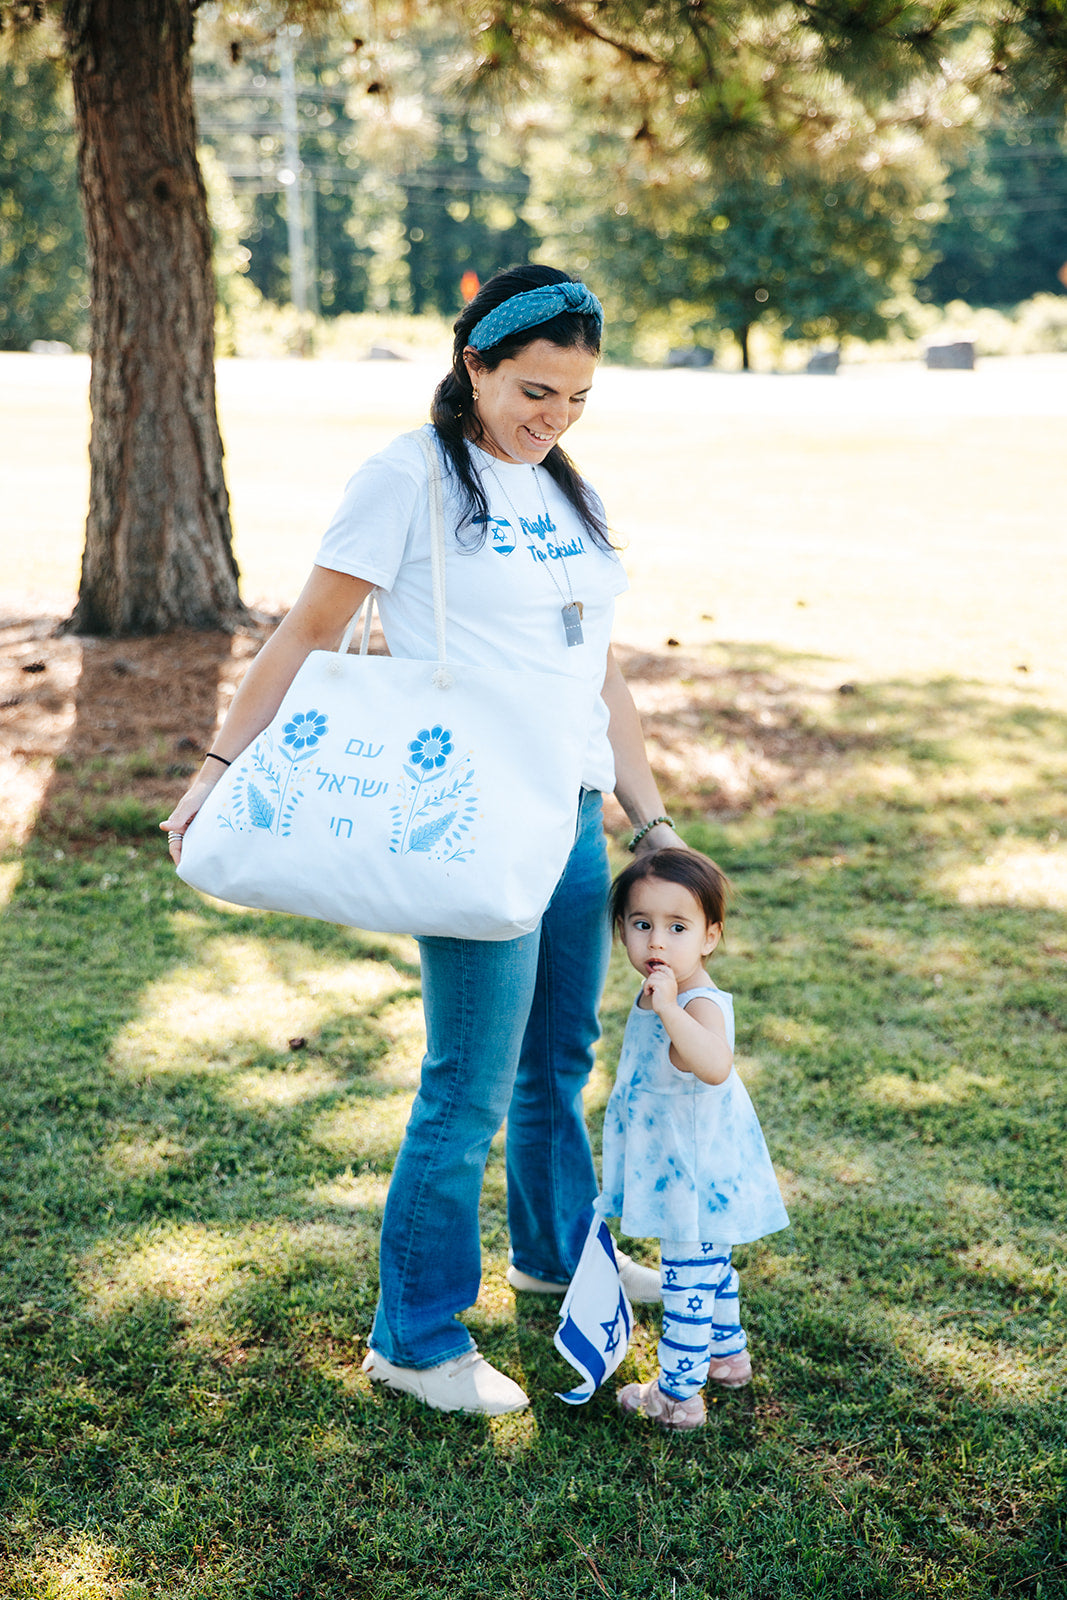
(595, 1318)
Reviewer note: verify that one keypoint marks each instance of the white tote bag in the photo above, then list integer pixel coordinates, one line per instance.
(402, 796)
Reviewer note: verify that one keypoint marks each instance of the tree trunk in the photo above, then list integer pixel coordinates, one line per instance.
(742, 339)
(158, 550)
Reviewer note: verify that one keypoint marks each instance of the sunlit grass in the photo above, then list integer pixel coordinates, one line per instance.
(243, 995)
(204, 1275)
(359, 1191)
(200, 1106)
(84, 1568)
(369, 1131)
(10, 872)
(909, 1094)
(1013, 874)
(997, 1371)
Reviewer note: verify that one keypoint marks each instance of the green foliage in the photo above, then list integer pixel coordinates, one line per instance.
(408, 186)
(459, 217)
(813, 249)
(240, 121)
(1003, 237)
(744, 84)
(821, 156)
(42, 246)
(412, 177)
(236, 296)
(817, 260)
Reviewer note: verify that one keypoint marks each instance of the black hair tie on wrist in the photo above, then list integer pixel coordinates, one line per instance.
(211, 756)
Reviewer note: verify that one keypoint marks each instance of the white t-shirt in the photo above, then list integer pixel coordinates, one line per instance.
(504, 599)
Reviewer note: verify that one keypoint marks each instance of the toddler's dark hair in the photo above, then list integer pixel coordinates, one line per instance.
(706, 882)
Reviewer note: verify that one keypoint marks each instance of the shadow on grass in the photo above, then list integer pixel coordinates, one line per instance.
(200, 1110)
(740, 729)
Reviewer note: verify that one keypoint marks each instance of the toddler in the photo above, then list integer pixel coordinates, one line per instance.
(684, 1154)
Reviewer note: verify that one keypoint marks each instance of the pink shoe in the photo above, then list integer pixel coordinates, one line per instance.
(732, 1372)
(650, 1400)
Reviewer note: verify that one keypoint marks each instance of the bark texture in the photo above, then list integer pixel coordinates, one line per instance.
(158, 548)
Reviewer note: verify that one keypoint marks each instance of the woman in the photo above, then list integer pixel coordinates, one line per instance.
(510, 1025)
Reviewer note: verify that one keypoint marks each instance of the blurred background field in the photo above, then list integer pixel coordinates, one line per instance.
(887, 520)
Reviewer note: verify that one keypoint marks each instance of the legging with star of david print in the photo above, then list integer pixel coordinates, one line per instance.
(701, 1314)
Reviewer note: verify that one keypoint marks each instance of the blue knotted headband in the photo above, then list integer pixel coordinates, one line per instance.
(527, 310)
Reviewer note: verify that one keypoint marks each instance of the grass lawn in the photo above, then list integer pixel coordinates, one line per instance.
(200, 1107)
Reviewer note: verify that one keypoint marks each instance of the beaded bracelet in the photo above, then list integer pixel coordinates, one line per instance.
(640, 834)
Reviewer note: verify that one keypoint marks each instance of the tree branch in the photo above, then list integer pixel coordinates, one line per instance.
(580, 27)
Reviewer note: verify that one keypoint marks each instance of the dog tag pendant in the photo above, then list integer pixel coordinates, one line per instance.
(572, 622)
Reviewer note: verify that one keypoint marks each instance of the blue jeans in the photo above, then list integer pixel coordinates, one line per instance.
(510, 1031)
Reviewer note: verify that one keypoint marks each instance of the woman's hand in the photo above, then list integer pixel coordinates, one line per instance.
(316, 622)
(184, 812)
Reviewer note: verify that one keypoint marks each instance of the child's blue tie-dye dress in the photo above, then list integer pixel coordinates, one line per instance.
(685, 1159)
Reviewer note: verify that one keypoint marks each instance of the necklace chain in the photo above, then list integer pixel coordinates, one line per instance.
(569, 596)
(572, 609)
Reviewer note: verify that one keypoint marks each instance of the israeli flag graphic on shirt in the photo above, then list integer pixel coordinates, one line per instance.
(501, 534)
(595, 1318)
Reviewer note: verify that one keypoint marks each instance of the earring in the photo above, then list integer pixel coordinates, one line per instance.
(474, 392)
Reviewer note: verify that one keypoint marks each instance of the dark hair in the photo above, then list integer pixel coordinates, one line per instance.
(453, 413)
(706, 882)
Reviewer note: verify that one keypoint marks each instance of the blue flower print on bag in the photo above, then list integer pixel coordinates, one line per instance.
(437, 803)
(271, 780)
(305, 730)
(431, 749)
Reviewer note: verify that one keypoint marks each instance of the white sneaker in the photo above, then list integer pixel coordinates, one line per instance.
(641, 1284)
(527, 1285)
(468, 1383)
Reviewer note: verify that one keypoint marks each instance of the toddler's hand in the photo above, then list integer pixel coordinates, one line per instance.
(661, 986)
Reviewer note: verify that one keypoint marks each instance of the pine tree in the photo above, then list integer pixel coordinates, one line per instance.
(1004, 234)
(42, 245)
